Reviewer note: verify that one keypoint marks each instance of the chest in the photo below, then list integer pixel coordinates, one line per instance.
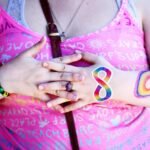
(72, 17)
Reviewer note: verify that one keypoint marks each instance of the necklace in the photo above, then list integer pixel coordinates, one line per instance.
(64, 31)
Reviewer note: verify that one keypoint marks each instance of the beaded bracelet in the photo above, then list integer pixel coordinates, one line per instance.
(3, 92)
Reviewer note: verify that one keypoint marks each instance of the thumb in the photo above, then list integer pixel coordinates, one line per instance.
(88, 56)
(34, 50)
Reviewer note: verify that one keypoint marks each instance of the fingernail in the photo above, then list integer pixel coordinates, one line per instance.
(78, 55)
(71, 96)
(41, 87)
(79, 77)
(74, 96)
(78, 52)
(43, 38)
(66, 111)
(45, 64)
(61, 110)
(49, 105)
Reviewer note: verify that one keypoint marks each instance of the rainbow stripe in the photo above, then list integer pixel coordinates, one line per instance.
(143, 79)
(102, 83)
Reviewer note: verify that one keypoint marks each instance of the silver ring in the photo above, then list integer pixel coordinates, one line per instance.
(69, 86)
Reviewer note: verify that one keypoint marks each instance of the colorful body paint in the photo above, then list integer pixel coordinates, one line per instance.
(102, 83)
(143, 86)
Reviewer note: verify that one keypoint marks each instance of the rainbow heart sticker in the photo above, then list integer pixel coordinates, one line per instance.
(143, 86)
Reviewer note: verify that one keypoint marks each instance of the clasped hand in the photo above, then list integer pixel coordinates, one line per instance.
(27, 76)
(24, 73)
(83, 90)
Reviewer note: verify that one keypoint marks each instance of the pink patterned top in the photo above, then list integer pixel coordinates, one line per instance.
(26, 123)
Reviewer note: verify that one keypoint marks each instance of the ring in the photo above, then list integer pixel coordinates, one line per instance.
(69, 86)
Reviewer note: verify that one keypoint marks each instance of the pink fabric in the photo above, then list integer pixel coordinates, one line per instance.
(26, 123)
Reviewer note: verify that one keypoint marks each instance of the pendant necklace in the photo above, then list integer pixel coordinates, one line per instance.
(64, 31)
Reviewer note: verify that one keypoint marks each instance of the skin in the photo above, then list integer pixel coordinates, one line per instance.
(125, 93)
(22, 82)
(37, 23)
(75, 29)
(130, 76)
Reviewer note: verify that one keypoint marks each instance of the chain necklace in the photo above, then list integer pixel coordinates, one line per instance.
(64, 31)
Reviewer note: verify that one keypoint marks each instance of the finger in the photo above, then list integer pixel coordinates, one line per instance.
(88, 56)
(68, 59)
(60, 67)
(53, 86)
(33, 51)
(56, 101)
(59, 76)
(80, 103)
(64, 94)
(58, 108)
(42, 96)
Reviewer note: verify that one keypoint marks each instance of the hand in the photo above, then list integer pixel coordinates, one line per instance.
(84, 89)
(23, 74)
(67, 73)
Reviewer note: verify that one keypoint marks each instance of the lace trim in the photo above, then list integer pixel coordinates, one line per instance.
(16, 10)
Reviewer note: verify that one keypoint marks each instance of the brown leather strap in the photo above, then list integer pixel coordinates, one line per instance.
(51, 29)
(56, 51)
